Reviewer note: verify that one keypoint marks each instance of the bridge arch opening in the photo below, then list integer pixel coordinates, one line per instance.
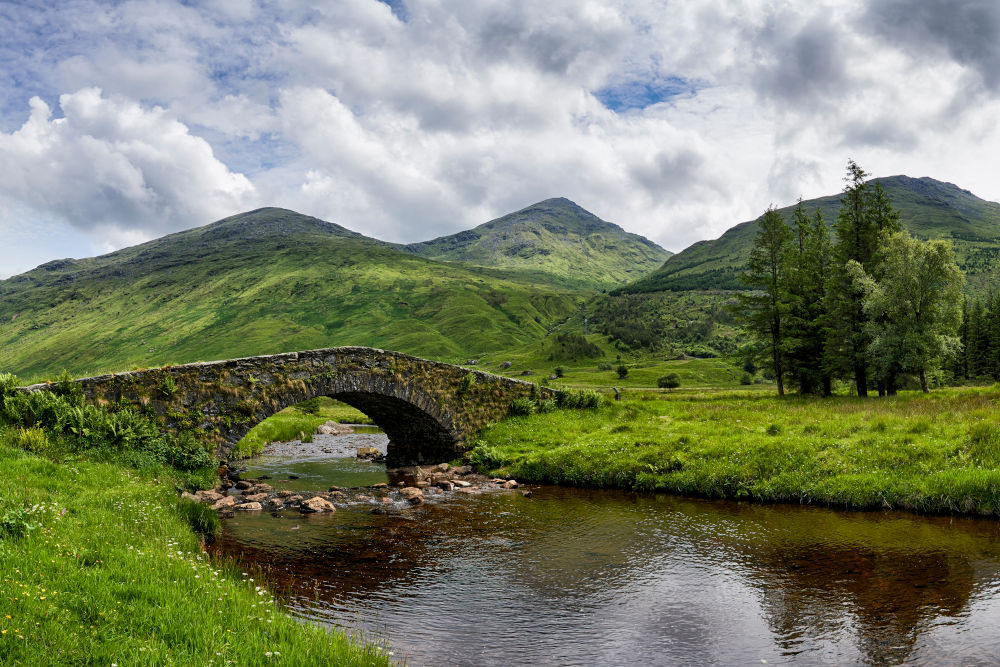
(416, 436)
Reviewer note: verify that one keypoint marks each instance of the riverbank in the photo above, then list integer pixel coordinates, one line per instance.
(99, 566)
(937, 452)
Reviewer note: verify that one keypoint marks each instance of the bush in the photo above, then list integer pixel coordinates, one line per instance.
(548, 405)
(622, 371)
(521, 407)
(749, 367)
(167, 386)
(669, 381)
(560, 371)
(746, 379)
(604, 366)
(466, 384)
(310, 406)
(32, 439)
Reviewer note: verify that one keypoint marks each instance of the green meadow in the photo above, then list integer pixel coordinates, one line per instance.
(938, 452)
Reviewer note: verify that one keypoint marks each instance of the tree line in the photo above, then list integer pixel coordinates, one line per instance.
(865, 304)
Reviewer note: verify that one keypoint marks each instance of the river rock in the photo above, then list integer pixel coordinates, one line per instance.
(284, 493)
(224, 502)
(255, 498)
(526, 494)
(208, 496)
(461, 470)
(443, 467)
(249, 507)
(446, 486)
(275, 504)
(380, 485)
(416, 500)
(409, 475)
(260, 488)
(510, 484)
(410, 492)
(333, 428)
(432, 490)
(363, 498)
(243, 485)
(386, 500)
(368, 454)
(461, 483)
(293, 500)
(468, 490)
(317, 504)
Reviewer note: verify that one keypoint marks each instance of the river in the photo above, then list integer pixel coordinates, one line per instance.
(591, 577)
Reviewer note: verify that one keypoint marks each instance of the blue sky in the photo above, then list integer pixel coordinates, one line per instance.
(406, 120)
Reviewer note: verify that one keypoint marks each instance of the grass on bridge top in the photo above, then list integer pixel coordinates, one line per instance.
(938, 452)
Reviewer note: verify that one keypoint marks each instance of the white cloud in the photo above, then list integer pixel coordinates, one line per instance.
(111, 165)
(433, 118)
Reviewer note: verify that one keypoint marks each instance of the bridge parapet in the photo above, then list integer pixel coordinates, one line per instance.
(427, 408)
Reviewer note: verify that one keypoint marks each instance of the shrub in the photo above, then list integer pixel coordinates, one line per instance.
(669, 381)
(32, 439)
(746, 379)
(548, 405)
(8, 382)
(167, 386)
(68, 389)
(604, 366)
(521, 407)
(560, 371)
(309, 406)
(622, 371)
(749, 367)
(466, 384)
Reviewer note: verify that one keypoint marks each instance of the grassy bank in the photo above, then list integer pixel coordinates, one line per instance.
(931, 453)
(295, 421)
(99, 559)
(98, 566)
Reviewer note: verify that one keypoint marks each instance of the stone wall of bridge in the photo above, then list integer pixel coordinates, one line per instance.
(428, 409)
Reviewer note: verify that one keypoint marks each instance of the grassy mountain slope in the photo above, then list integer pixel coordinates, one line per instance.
(552, 241)
(259, 283)
(928, 209)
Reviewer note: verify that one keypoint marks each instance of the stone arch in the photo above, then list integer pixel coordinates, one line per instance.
(420, 430)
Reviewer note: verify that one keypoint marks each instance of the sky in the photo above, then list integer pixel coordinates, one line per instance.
(410, 119)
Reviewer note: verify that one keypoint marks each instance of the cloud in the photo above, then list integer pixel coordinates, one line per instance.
(112, 165)
(968, 32)
(407, 119)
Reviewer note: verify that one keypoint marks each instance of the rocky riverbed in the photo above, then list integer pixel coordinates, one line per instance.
(405, 487)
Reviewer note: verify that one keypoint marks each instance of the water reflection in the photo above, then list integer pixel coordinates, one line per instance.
(591, 577)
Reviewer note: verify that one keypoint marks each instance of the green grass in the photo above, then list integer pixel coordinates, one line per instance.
(98, 566)
(928, 453)
(294, 421)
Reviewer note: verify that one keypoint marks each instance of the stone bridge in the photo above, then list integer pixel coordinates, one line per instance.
(427, 408)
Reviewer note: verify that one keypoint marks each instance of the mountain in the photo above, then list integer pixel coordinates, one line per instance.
(262, 282)
(552, 241)
(928, 209)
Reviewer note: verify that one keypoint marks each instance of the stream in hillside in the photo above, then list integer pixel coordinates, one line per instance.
(586, 577)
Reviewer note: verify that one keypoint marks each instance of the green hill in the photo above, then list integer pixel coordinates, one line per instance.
(928, 209)
(261, 282)
(552, 241)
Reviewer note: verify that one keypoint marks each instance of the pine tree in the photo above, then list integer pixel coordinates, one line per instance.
(866, 218)
(765, 307)
(809, 262)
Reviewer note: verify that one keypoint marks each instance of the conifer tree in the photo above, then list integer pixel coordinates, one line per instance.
(765, 307)
(809, 262)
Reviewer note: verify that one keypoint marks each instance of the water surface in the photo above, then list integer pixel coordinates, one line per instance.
(584, 577)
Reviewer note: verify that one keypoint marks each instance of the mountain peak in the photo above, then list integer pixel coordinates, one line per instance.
(555, 237)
